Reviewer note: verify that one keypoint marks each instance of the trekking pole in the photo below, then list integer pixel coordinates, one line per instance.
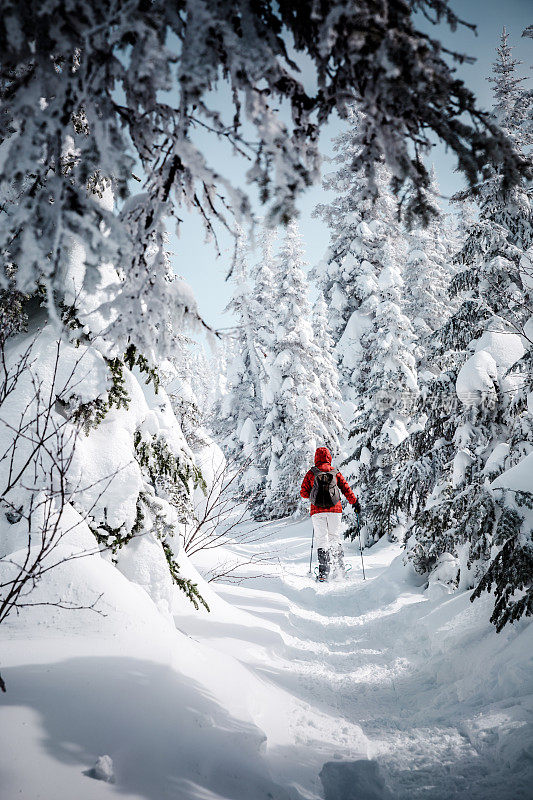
(360, 544)
(311, 557)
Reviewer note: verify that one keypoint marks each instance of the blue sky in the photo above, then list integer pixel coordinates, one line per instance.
(196, 260)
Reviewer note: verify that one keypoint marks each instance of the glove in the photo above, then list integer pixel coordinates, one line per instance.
(357, 507)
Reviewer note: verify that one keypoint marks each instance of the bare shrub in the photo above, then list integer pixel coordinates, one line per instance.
(35, 489)
(219, 521)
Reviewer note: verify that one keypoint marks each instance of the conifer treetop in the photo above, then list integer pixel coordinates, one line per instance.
(509, 106)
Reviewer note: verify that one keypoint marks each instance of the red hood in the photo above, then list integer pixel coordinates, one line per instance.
(323, 459)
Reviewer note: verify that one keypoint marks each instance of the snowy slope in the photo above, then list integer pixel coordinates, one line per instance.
(401, 691)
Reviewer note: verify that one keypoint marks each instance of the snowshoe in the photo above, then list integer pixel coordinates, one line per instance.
(324, 560)
(320, 578)
(334, 574)
(340, 572)
(337, 562)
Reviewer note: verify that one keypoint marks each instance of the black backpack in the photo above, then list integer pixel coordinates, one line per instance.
(325, 492)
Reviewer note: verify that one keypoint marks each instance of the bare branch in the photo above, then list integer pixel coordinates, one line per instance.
(218, 522)
(39, 459)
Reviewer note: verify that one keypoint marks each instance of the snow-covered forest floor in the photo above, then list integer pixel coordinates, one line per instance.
(403, 691)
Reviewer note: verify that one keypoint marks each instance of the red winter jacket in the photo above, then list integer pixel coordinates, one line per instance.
(323, 462)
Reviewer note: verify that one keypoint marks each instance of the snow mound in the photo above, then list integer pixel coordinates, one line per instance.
(496, 460)
(103, 770)
(476, 378)
(143, 563)
(389, 277)
(445, 572)
(349, 345)
(519, 478)
(396, 431)
(505, 347)
(248, 433)
(353, 780)
(364, 231)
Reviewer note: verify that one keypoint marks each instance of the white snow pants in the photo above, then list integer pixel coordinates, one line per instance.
(327, 528)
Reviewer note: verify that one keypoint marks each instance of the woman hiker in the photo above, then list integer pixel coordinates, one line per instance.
(321, 485)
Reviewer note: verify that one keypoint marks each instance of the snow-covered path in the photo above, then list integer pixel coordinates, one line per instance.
(426, 678)
(402, 692)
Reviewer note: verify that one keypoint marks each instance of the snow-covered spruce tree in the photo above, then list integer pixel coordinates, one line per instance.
(186, 377)
(345, 275)
(329, 400)
(109, 402)
(464, 216)
(427, 274)
(293, 427)
(528, 97)
(112, 469)
(387, 386)
(511, 100)
(265, 292)
(510, 571)
(239, 411)
(374, 340)
(465, 518)
(428, 270)
(165, 474)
